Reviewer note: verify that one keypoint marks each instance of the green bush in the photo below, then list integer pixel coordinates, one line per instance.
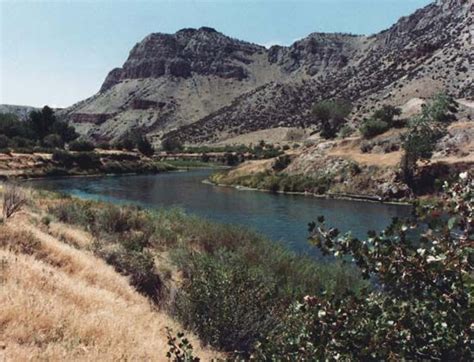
(372, 127)
(346, 131)
(81, 146)
(53, 140)
(144, 146)
(227, 303)
(73, 212)
(4, 141)
(139, 266)
(281, 163)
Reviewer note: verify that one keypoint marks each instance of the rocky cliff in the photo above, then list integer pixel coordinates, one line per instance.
(202, 86)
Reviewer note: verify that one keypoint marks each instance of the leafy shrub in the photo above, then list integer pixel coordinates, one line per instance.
(372, 127)
(180, 350)
(225, 302)
(171, 145)
(281, 163)
(231, 159)
(139, 266)
(63, 157)
(346, 131)
(381, 121)
(81, 146)
(72, 212)
(421, 307)
(4, 141)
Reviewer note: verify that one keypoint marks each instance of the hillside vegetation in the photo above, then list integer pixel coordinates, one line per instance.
(60, 302)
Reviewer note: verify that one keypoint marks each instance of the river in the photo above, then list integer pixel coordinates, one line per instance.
(282, 218)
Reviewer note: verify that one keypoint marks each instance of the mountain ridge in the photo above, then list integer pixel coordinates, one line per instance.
(202, 86)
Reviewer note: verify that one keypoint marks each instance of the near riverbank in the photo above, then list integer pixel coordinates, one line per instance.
(150, 269)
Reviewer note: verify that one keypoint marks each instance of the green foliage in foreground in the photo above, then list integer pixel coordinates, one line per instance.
(421, 308)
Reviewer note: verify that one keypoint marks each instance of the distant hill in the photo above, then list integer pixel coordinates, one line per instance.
(21, 111)
(201, 86)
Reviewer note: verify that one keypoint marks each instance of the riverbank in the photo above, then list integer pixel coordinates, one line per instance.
(328, 196)
(62, 163)
(181, 264)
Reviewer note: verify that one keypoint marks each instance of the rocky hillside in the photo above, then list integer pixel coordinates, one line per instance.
(202, 86)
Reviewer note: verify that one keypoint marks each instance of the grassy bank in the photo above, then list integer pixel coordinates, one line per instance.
(228, 285)
(276, 182)
(185, 164)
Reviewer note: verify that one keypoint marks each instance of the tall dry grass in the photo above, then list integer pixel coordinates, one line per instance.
(60, 303)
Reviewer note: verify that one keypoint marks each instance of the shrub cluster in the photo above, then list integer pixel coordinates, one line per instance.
(381, 121)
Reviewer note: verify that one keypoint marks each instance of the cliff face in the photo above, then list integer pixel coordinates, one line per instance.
(202, 86)
(189, 51)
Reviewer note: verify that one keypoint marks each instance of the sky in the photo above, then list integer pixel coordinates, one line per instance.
(59, 52)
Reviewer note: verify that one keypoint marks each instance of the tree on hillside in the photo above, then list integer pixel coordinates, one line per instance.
(171, 145)
(419, 142)
(330, 115)
(419, 307)
(144, 146)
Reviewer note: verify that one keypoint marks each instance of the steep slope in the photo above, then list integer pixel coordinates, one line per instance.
(427, 52)
(61, 303)
(201, 86)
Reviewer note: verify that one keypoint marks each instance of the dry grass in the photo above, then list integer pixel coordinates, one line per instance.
(60, 303)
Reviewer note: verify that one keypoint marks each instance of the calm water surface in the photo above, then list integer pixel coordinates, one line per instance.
(283, 218)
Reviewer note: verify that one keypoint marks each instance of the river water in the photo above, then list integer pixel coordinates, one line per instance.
(282, 218)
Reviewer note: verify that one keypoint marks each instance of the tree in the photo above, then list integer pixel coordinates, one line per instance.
(281, 163)
(331, 115)
(171, 145)
(41, 122)
(423, 132)
(387, 113)
(144, 146)
(441, 108)
(53, 140)
(66, 132)
(4, 141)
(419, 306)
